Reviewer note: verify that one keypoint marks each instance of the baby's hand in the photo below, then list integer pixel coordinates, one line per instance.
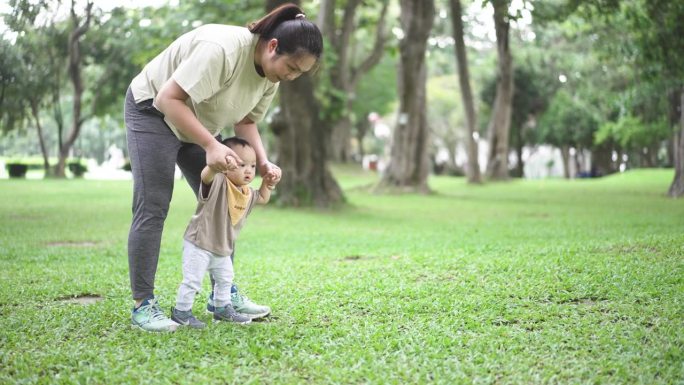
(271, 181)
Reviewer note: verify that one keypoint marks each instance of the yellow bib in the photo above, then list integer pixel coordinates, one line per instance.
(238, 200)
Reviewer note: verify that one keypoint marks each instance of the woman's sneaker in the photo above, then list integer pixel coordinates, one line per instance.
(150, 318)
(186, 318)
(242, 305)
(227, 313)
(245, 306)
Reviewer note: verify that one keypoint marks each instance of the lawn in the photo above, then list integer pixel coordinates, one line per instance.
(527, 282)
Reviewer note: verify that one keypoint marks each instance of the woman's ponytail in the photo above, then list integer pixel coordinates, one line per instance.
(294, 32)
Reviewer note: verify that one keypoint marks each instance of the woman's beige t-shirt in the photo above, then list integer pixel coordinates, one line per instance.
(214, 64)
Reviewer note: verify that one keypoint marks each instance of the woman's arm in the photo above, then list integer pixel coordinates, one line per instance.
(248, 130)
(171, 102)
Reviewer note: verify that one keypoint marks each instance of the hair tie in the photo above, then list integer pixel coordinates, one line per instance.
(300, 16)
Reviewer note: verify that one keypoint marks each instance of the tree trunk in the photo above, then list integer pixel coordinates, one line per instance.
(41, 139)
(301, 145)
(520, 166)
(306, 181)
(344, 76)
(340, 139)
(326, 19)
(499, 124)
(362, 126)
(669, 162)
(409, 163)
(56, 96)
(578, 158)
(75, 59)
(647, 158)
(653, 154)
(472, 168)
(338, 123)
(517, 143)
(452, 168)
(602, 160)
(565, 156)
(677, 187)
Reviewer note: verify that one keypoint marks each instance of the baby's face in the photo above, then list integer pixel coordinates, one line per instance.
(246, 170)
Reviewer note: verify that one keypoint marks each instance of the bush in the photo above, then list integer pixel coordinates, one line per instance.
(77, 168)
(17, 170)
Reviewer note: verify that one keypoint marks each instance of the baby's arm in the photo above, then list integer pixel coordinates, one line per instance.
(267, 185)
(207, 178)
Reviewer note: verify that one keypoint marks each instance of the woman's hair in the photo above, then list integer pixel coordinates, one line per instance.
(294, 32)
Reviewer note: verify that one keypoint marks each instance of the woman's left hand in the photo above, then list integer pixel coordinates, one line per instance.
(271, 170)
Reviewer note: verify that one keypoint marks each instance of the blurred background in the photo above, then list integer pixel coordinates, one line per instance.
(486, 90)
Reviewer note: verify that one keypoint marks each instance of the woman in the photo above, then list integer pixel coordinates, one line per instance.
(212, 77)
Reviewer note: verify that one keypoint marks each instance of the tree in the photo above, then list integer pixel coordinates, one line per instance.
(676, 189)
(301, 146)
(56, 45)
(499, 123)
(645, 34)
(568, 122)
(12, 77)
(408, 168)
(658, 32)
(634, 136)
(353, 58)
(79, 25)
(569, 48)
(473, 166)
(530, 98)
(376, 93)
(37, 73)
(446, 120)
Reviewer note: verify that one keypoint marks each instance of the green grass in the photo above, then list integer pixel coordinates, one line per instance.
(526, 282)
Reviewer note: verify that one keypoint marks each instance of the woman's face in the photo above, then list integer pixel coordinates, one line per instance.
(285, 67)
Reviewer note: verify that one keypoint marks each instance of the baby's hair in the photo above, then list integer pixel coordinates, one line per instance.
(234, 141)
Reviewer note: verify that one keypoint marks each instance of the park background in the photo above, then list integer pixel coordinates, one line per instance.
(473, 192)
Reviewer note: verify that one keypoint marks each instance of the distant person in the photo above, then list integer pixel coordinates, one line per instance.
(209, 78)
(224, 202)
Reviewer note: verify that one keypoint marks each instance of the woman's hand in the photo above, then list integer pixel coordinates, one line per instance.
(221, 158)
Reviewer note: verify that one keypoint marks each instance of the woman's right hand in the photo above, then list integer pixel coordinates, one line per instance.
(221, 158)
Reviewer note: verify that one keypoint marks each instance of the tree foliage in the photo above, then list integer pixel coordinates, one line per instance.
(616, 66)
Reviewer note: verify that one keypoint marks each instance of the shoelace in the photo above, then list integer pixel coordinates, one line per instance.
(241, 298)
(244, 299)
(155, 312)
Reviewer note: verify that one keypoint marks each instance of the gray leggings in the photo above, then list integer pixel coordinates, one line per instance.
(154, 151)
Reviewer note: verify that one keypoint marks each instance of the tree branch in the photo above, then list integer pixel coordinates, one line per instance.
(80, 30)
(377, 52)
(342, 67)
(98, 91)
(326, 21)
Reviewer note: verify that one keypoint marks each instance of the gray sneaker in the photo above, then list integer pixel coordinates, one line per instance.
(150, 318)
(228, 313)
(186, 318)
